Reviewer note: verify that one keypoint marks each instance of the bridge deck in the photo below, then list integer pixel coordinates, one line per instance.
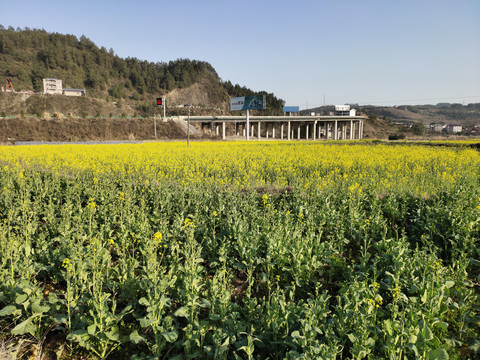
(269, 118)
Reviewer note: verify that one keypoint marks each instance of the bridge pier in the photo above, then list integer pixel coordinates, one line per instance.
(286, 128)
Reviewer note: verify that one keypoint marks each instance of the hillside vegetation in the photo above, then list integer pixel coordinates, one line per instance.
(27, 56)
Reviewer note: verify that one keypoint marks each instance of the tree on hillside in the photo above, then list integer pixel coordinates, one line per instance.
(28, 56)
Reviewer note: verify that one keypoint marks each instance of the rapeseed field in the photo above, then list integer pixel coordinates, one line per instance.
(236, 250)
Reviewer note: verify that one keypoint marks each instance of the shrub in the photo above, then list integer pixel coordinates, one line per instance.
(396, 136)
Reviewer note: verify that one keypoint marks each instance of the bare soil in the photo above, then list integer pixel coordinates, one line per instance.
(96, 129)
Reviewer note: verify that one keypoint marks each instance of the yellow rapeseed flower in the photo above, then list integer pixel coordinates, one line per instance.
(91, 204)
(265, 199)
(157, 237)
(67, 264)
(304, 166)
(188, 223)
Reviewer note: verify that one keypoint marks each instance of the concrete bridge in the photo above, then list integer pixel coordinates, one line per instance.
(284, 127)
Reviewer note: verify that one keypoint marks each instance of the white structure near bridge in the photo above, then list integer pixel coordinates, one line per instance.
(344, 110)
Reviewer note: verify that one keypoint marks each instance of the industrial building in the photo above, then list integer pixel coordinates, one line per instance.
(344, 110)
(74, 92)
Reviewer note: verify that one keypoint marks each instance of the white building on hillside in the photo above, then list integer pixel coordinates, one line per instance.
(455, 128)
(52, 86)
(74, 92)
(344, 110)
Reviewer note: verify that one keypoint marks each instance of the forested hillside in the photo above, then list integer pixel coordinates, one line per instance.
(27, 56)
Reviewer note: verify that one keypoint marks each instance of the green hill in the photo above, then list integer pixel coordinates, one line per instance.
(28, 56)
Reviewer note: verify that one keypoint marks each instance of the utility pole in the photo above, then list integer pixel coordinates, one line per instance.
(248, 125)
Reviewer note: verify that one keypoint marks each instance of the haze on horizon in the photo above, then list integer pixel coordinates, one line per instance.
(307, 52)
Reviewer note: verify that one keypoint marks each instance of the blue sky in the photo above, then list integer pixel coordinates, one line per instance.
(380, 52)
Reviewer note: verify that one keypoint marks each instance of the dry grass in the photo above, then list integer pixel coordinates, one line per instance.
(5, 352)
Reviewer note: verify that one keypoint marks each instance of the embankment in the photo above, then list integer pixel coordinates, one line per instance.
(89, 129)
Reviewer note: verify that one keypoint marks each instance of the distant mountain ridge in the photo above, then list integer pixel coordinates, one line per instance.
(27, 56)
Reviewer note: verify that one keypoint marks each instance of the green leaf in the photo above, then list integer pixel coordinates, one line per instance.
(424, 297)
(427, 333)
(182, 312)
(442, 325)
(296, 334)
(388, 327)
(127, 309)
(474, 345)
(9, 310)
(438, 354)
(224, 347)
(449, 284)
(113, 334)
(475, 262)
(214, 317)
(204, 303)
(170, 336)
(136, 338)
(248, 350)
(352, 338)
(60, 318)
(38, 309)
(24, 327)
(390, 274)
(28, 249)
(21, 298)
(80, 336)
(414, 349)
(143, 301)
(146, 322)
(92, 329)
